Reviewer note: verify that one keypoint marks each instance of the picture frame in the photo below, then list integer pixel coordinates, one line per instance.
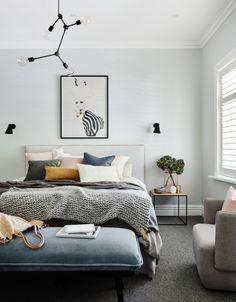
(84, 107)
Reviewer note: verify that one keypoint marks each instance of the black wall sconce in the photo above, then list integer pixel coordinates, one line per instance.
(156, 128)
(10, 128)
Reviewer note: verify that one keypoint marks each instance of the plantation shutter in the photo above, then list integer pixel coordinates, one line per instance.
(227, 98)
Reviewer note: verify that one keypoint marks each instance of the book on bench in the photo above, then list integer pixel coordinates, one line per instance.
(79, 228)
(63, 232)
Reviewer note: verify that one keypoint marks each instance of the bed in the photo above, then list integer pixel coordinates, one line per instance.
(124, 203)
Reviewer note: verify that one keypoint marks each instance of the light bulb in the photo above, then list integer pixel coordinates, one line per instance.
(85, 20)
(22, 61)
(74, 16)
(46, 35)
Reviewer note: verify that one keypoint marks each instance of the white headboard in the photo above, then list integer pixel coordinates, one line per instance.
(135, 152)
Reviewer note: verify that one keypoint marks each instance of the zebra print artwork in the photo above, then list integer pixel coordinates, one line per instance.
(92, 123)
(84, 106)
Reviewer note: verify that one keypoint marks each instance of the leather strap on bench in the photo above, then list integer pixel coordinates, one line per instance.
(30, 244)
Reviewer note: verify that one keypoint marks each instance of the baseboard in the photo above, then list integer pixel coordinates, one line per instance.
(172, 210)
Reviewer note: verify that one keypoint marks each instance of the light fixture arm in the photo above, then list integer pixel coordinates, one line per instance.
(62, 37)
(32, 59)
(58, 6)
(63, 63)
(78, 22)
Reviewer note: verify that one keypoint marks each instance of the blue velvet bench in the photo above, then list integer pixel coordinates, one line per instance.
(115, 250)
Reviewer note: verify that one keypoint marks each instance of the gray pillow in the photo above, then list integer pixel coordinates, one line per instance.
(92, 160)
(36, 170)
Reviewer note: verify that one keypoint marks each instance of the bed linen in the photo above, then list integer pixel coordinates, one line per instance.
(130, 206)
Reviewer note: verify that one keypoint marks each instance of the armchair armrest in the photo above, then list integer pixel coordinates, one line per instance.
(225, 243)
(211, 207)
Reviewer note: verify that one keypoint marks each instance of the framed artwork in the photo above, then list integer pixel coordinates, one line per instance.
(84, 106)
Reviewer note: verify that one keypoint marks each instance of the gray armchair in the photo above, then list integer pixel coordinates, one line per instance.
(214, 246)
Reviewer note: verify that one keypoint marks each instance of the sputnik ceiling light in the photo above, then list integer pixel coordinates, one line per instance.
(83, 20)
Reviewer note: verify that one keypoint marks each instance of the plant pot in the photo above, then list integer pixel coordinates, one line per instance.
(170, 179)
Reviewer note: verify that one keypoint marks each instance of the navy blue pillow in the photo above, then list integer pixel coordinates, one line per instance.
(90, 159)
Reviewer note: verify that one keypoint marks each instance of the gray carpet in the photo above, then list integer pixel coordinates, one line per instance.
(176, 279)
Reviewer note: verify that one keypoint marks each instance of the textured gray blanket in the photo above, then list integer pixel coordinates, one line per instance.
(79, 203)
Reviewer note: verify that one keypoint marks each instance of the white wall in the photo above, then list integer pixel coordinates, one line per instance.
(146, 86)
(220, 45)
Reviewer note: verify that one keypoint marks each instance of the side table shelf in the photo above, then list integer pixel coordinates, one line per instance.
(179, 196)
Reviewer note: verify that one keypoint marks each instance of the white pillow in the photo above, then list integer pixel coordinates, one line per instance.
(39, 156)
(58, 152)
(97, 173)
(120, 161)
(19, 178)
(128, 169)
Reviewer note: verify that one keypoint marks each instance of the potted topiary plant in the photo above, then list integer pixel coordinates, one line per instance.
(172, 167)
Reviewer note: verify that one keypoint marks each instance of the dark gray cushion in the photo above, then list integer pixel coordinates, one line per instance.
(36, 170)
(90, 159)
(114, 249)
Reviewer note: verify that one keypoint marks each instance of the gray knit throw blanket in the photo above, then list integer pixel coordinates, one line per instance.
(80, 204)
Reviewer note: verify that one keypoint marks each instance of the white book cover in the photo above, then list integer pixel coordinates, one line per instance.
(79, 228)
(90, 235)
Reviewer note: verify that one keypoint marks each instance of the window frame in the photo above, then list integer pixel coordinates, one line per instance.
(220, 173)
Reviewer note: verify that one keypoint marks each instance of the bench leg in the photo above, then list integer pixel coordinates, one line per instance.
(119, 288)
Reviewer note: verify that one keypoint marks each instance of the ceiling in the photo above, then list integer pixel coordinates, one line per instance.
(114, 23)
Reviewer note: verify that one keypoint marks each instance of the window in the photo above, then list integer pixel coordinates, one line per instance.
(226, 118)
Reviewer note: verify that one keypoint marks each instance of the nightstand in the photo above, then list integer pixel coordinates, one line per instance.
(179, 198)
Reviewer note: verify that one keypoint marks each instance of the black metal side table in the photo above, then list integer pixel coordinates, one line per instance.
(179, 197)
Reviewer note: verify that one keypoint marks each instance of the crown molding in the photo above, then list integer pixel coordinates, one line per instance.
(99, 44)
(218, 22)
(127, 44)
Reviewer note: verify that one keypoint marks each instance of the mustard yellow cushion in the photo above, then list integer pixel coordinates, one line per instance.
(59, 173)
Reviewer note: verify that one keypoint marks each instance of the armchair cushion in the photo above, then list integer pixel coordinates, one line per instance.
(203, 247)
(211, 207)
(225, 243)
